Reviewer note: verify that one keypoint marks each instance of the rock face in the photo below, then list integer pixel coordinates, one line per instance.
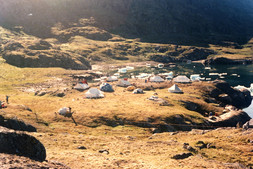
(230, 119)
(19, 143)
(225, 94)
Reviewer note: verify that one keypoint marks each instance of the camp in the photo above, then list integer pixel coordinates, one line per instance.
(124, 83)
(81, 86)
(181, 79)
(138, 91)
(106, 87)
(156, 79)
(112, 78)
(175, 89)
(94, 93)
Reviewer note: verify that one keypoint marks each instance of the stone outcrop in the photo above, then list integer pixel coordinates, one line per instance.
(16, 124)
(230, 119)
(19, 143)
(226, 95)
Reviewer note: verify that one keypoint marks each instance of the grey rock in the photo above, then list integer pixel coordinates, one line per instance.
(19, 143)
(182, 156)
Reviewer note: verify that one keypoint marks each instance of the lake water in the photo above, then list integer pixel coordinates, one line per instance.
(234, 75)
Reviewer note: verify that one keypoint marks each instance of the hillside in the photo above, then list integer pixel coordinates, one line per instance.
(191, 22)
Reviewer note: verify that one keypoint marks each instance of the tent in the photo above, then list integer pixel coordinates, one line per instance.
(138, 91)
(175, 89)
(112, 78)
(63, 111)
(106, 87)
(181, 79)
(156, 79)
(94, 93)
(124, 83)
(195, 77)
(81, 86)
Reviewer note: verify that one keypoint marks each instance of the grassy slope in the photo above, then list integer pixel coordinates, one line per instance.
(129, 146)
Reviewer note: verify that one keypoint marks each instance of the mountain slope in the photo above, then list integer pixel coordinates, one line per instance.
(167, 21)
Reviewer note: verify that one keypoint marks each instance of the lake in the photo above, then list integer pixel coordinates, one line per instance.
(234, 75)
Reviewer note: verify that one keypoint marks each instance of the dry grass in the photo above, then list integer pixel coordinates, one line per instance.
(128, 146)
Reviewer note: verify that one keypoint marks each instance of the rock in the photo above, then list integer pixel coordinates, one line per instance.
(16, 124)
(41, 93)
(81, 148)
(201, 145)
(248, 124)
(104, 151)
(230, 119)
(225, 94)
(41, 45)
(182, 156)
(14, 161)
(19, 143)
(188, 147)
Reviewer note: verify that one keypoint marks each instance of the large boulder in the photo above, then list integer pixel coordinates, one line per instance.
(225, 94)
(16, 124)
(19, 143)
(230, 119)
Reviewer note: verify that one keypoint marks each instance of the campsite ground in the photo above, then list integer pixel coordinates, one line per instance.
(117, 124)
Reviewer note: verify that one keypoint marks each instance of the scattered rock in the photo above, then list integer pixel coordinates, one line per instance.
(181, 156)
(104, 151)
(201, 145)
(188, 147)
(19, 143)
(81, 148)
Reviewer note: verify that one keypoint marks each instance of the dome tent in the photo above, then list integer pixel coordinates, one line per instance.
(93, 93)
(156, 79)
(181, 79)
(138, 91)
(106, 87)
(175, 89)
(81, 86)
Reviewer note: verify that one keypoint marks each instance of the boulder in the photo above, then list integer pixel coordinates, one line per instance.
(225, 94)
(230, 119)
(16, 124)
(19, 143)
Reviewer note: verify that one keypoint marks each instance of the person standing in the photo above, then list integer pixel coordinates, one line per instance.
(7, 99)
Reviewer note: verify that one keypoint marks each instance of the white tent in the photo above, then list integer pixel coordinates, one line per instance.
(175, 89)
(81, 86)
(63, 111)
(112, 78)
(195, 77)
(138, 91)
(94, 93)
(124, 83)
(181, 79)
(156, 79)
